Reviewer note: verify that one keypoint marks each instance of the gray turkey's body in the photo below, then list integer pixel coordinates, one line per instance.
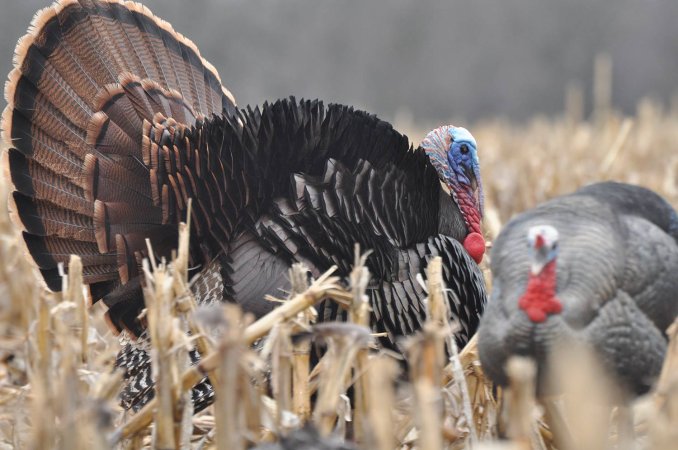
(617, 281)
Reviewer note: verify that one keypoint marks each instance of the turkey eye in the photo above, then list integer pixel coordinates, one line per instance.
(464, 149)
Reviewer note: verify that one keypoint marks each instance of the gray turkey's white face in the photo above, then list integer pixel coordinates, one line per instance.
(543, 244)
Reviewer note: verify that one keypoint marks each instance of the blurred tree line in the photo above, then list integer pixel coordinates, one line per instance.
(433, 58)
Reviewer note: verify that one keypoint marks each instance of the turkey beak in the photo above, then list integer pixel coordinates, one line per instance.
(473, 174)
(540, 258)
(537, 266)
(472, 178)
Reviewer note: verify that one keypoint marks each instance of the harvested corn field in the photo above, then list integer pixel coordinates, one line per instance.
(207, 289)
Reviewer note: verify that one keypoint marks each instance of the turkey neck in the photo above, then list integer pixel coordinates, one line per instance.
(544, 283)
(540, 299)
(450, 220)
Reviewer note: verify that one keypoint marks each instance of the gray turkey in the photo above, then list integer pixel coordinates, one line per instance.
(599, 266)
(115, 121)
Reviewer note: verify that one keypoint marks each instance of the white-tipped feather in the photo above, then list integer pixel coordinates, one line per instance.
(40, 19)
(7, 127)
(44, 15)
(60, 5)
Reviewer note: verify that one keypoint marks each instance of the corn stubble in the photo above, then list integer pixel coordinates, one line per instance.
(56, 370)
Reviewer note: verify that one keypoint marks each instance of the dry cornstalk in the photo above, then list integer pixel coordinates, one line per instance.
(159, 297)
(19, 288)
(186, 306)
(281, 370)
(40, 352)
(616, 146)
(438, 311)
(669, 374)
(359, 313)
(291, 360)
(521, 402)
(479, 390)
(253, 389)
(460, 380)
(324, 286)
(229, 415)
(428, 417)
(576, 371)
(425, 355)
(574, 104)
(436, 306)
(167, 337)
(107, 386)
(75, 295)
(344, 340)
(60, 401)
(663, 431)
(381, 376)
(185, 302)
(301, 360)
(65, 316)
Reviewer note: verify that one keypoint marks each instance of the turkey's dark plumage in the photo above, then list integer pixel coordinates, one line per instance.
(616, 266)
(116, 122)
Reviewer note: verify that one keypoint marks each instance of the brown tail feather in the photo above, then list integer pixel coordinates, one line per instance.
(41, 219)
(41, 182)
(49, 251)
(90, 78)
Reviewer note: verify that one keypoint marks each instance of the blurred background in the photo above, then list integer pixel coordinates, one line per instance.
(426, 59)
(557, 93)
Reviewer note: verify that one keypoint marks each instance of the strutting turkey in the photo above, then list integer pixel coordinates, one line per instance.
(597, 266)
(115, 121)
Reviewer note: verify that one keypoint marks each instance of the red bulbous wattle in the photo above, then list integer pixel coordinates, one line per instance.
(540, 298)
(475, 246)
(538, 311)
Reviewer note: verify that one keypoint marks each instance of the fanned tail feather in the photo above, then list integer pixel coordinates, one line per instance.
(89, 78)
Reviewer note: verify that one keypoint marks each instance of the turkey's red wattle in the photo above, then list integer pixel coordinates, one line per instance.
(475, 246)
(540, 299)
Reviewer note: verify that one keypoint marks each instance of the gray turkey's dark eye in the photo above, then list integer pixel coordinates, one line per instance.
(464, 149)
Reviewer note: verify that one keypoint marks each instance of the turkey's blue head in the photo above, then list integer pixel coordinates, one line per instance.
(453, 152)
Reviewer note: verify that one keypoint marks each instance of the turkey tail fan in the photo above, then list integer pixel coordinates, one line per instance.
(89, 78)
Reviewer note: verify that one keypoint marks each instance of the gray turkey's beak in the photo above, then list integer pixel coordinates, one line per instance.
(540, 257)
(537, 266)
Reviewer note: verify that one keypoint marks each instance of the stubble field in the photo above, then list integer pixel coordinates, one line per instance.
(56, 356)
